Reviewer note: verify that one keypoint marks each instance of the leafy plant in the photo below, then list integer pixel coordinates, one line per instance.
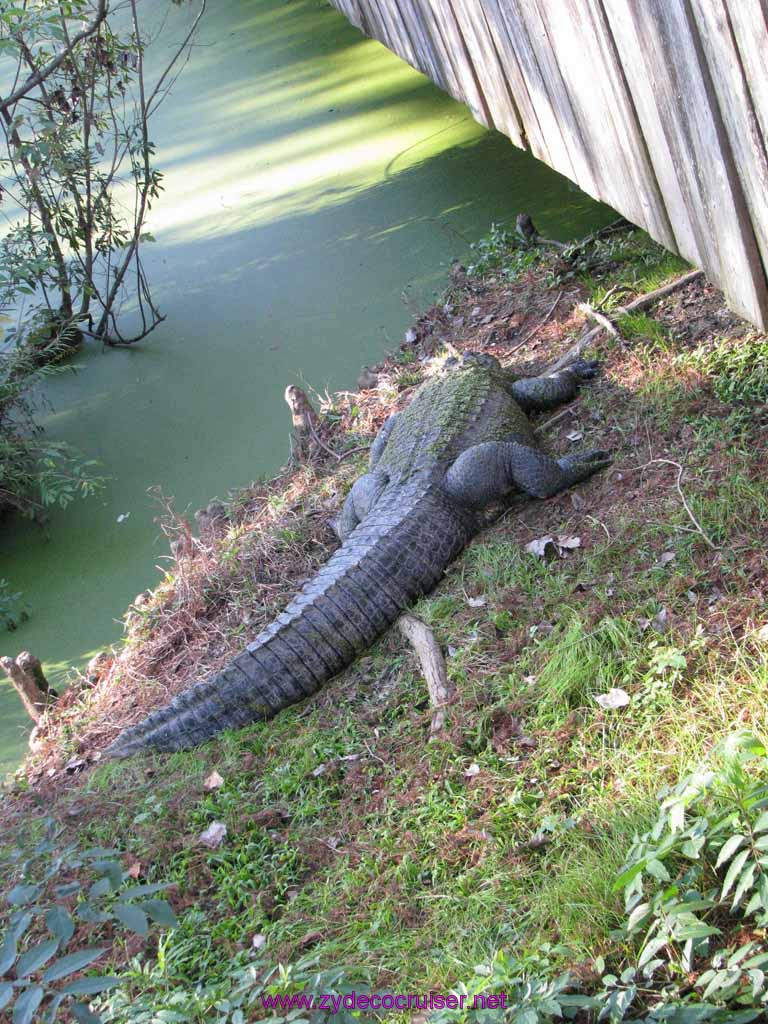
(35, 473)
(249, 992)
(533, 991)
(12, 612)
(76, 122)
(701, 871)
(500, 249)
(48, 905)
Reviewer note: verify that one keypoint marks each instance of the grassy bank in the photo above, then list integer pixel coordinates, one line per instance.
(358, 853)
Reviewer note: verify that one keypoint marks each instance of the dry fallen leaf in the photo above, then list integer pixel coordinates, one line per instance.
(666, 558)
(542, 547)
(135, 869)
(569, 543)
(476, 602)
(548, 548)
(660, 620)
(614, 698)
(214, 781)
(213, 836)
(474, 769)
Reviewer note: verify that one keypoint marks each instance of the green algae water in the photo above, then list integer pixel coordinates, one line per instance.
(316, 190)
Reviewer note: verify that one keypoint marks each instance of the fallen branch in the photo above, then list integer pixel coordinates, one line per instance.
(567, 411)
(599, 318)
(432, 662)
(28, 679)
(642, 302)
(574, 351)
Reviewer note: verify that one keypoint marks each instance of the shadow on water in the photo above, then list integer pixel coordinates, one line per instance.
(316, 191)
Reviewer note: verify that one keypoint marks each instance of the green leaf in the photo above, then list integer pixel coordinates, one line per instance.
(6, 991)
(638, 915)
(59, 922)
(733, 872)
(112, 870)
(696, 930)
(20, 921)
(87, 912)
(132, 917)
(657, 870)
(7, 954)
(100, 888)
(73, 962)
(20, 895)
(627, 876)
(27, 1004)
(754, 904)
(160, 911)
(35, 957)
(143, 890)
(761, 825)
(67, 890)
(729, 848)
(745, 882)
(91, 986)
(84, 1015)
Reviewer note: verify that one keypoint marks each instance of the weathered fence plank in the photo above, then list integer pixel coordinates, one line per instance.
(658, 107)
(494, 82)
(350, 9)
(398, 31)
(424, 43)
(679, 115)
(542, 127)
(456, 48)
(608, 129)
(729, 75)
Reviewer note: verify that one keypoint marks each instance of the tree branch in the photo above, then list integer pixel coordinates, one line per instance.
(40, 76)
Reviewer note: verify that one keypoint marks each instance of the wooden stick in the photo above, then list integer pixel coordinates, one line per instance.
(686, 506)
(432, 662)
(643, 301)
(574, 351)
(599, 318)
(28, 679)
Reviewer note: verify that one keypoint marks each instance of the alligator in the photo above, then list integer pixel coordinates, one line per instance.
(462, 445)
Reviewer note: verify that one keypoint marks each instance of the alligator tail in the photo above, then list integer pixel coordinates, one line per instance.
(397, 553)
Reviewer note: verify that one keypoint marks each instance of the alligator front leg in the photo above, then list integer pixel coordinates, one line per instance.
(487, 472)
(536, 393)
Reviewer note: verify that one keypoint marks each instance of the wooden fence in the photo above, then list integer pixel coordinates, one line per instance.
(657, 107)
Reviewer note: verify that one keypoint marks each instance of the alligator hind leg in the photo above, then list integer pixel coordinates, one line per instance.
(380, 441)
(535, 393)
(487, 472)
(366, 491)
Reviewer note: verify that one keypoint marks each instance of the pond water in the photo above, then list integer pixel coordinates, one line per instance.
(316, 191)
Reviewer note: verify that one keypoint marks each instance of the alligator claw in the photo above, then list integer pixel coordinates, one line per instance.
(585, 369)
